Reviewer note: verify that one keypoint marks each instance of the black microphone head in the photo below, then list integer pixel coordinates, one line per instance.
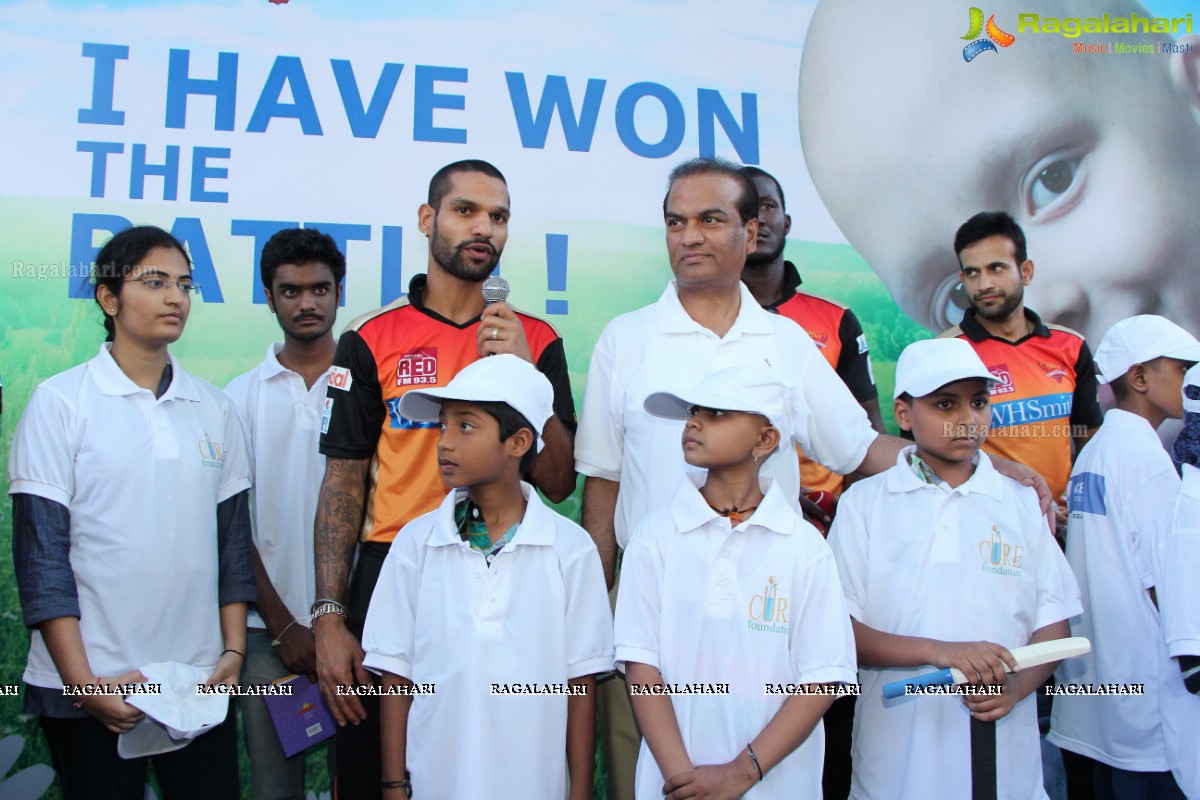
(495, 290)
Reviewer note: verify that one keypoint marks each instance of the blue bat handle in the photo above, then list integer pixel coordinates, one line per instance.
(940, 677)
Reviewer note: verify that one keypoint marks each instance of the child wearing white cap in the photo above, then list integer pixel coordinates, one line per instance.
(1176, 565)
(731, 613)
(491, 618)
(1120, 483)
(946, 562)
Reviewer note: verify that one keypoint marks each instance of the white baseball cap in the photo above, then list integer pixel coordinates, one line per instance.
(753, 389)
(928, 365)
(502, 378)
(1139, 339)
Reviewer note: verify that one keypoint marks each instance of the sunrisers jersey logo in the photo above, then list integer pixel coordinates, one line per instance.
(212, 454)
(995, 36)
(768, 611)
(1000, 557)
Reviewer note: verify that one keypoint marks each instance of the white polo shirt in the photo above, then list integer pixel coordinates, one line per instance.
(745, 607)
(1121, 481)
(539, 615)
(1177, 567)
(971, 563)
(660, 348)
(142, 478)
(283, 422)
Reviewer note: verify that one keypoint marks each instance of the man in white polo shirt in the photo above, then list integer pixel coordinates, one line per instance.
(705, 320)
(281, 403)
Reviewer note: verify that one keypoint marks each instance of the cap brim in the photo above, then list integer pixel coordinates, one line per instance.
(666, 406)
(931, 383)
(424, 405)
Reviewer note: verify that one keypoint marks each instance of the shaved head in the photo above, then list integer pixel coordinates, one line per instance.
(1097, 157)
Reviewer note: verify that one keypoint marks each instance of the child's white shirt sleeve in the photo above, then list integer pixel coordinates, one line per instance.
(850, 545)
(1178, 564)
(589, 617)
(389, 631)
(639, 602)
(1139, 510)
(1057, 592)
(821, 639)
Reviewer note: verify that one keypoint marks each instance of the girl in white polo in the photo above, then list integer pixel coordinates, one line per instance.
(131, 533)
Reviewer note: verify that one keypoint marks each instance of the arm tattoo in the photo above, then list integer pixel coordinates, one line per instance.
(339, 518)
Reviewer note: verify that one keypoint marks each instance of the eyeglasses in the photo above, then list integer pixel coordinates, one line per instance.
(156, 284)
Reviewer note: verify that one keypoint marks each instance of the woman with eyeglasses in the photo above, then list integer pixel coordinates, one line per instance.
(131, 533)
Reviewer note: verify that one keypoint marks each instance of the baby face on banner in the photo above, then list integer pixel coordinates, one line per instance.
(1097, 157)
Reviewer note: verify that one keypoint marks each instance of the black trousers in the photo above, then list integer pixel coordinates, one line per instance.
(357, 747)
(84, 754)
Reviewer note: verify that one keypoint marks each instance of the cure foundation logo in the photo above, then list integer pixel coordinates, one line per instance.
(995, 36)
(417, 368)
(999, 557)
(212, 454)
(768, 611)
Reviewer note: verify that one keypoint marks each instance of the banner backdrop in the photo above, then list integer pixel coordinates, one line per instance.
(226, 121)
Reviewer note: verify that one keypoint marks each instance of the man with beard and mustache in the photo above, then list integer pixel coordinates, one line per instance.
(280, 402)
(382, 469)
(1046, 399)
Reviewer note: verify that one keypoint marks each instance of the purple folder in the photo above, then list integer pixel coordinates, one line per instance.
(301, 719)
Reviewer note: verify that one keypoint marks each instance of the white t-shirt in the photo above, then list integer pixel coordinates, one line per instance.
(1177, 569)
(973, 563)
(754, 605)
(142, 478)
(1121, 481)
(283, 422)
(538, 615)
(661, 348)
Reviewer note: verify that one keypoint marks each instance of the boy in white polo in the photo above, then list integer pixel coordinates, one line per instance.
(493, 605)
(1176, 565)
(1121, 482)
(945, 561)
(731, 602)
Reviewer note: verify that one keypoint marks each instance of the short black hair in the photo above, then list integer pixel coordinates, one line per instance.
(747, 203)
(991, 223)
(511, 421)
(1120, 388)
(121, 254)
(755, 172)
(300, 246)
(439, 184)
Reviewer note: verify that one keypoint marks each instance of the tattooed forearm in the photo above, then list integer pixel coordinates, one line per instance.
(339, 518)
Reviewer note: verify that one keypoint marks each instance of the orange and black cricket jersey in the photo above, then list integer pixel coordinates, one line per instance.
(1047, 383)
(382, 355)
(838, 335)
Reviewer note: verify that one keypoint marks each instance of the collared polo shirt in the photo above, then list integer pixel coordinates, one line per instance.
(661, 348)
(1122, 480)
(965, 564)
(142, 478)
(1177, 570)
(1046, 384)
(538, 616)
(283, 424)
(754, 605)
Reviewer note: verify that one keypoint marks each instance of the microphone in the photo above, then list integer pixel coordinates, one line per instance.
(495, 290)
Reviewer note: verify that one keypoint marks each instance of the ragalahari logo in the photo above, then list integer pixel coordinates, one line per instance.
(995, 36)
